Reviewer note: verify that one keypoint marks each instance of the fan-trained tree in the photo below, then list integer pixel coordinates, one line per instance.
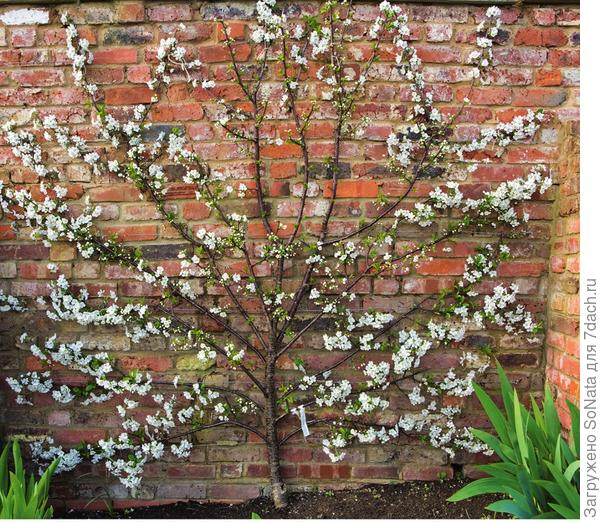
(265, 282)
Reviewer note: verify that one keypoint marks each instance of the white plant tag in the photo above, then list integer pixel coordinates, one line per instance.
(302, 415)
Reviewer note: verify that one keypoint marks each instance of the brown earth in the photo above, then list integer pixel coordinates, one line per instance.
(408, 500)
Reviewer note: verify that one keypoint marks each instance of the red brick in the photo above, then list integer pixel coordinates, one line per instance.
(106, 75)
(132, 232)
(279, 189)
(177, 112)
(130, 12)
(419, 472)
(118, 192)
(532, 155)
(257, 230)
(352, 189)
(75, 436)
(299, 454)
(128, 95)
(548, 77)
(564, 57)
(485, 95)
(192, 471)
(425, 286)
(287, 150)
(438, 54)
(533, 36)
(38, 77)
(235, 31)
(139, 73)
(121, 55)
(233, 492)
(283, 169)
(375, 472)
(220, 53)
(441, 267)
(386, 286)
(195, 210)
(324, 471)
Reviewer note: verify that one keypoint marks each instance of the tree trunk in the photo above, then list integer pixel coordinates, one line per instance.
(278, 491)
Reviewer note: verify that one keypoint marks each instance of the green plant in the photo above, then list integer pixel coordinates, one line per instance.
(255, 516)
(21, 498)
(538, 470)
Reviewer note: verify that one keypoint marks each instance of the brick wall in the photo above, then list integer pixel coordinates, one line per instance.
(562, 336)
(538, 67)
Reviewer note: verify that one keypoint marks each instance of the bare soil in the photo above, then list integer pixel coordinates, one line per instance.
(408, 500)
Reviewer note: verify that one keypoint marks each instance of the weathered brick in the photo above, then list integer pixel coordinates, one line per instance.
(439, 32)
(181, 490)
(38, 77)
(151, 363)
(133, 35)
(520, 56)
(417, 472)
(564, 57)
(23, 37)
(485, 95)
(234, 492)
(539, 97)
(169, 13)
(543, 16)
(25, 16)
(457, 14)
(130, 12)
(8, 269)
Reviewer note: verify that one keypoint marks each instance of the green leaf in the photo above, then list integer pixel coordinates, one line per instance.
(523, 501)
(4, 471)
(24, 499)
(520, 431)
(574, 410)
(18, 461)
(571, 469)
(504, 451)
(567, 488)
(480, 486)
(493, 412)
(507, 395)
(565, 512)
(508, 506)
(553, 427)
